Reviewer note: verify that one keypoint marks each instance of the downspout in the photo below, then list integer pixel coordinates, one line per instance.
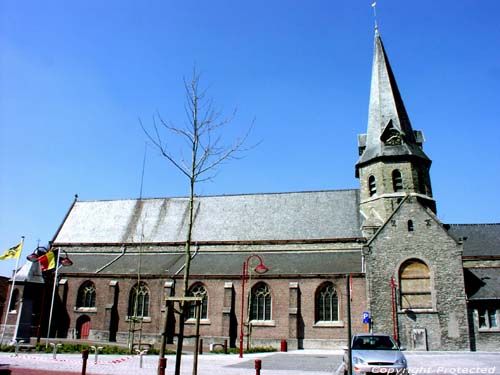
(184, 265)
(112, 261)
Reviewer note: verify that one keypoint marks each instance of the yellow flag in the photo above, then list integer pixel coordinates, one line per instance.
(13, 252)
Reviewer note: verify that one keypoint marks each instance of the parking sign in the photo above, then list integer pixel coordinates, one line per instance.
(366, 317)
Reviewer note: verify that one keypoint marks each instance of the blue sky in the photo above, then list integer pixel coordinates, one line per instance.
(76, 77)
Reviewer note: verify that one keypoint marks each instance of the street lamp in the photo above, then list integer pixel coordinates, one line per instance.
(260, 269)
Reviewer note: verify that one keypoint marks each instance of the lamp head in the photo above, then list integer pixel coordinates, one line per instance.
(261, 268)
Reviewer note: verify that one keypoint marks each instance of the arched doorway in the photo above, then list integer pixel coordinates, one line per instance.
(83, 327)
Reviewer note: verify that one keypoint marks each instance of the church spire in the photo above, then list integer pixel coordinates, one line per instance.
(389, 129)
(392, 164)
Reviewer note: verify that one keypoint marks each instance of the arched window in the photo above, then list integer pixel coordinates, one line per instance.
(260, 302)
(397, 180)
(198, 290)
(415, 285)
(138, 303)
(14, 300)
(372, 186)
(327, 304)
(86, 295)
(410, 226)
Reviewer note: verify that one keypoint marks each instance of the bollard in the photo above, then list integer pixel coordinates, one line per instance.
(96, 349)
(162, 366)
(258, 366)
(54, 349)
(284, 346)
(141, 353)
(225, 346)
(18, 342)
(200, 348)
(85, 356)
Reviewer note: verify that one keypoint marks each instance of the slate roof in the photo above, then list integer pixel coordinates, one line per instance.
(29, 272)
(386, 109)
(479, 239)
(482, 283)
(254, 217)
(218, 263)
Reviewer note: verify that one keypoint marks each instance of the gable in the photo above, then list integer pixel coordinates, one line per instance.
(411, 221)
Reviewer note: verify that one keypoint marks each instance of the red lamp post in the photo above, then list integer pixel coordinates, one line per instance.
(394, 316)
(260, 269)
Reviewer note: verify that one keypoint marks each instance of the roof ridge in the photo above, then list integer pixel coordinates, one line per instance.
(221, 195)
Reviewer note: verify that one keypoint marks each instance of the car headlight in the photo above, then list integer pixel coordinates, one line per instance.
(358, 360)
(400, 361)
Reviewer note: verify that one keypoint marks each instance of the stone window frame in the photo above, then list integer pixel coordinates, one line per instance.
(142, 289)
(430, 290)
(263, 313)
(86, 296)
(190, 316)
(327, 323)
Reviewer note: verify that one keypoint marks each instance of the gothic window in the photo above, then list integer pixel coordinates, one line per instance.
(86, 295)
(198, 290)
(260, 302)
(327, 304)
(415, 285)
(488, 318)
(372, 187)
(138, 303)
(397, 180)
(410, 226)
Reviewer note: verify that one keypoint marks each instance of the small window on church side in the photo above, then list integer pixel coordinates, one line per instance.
(397, 180)
(410, 226)
(372, 186)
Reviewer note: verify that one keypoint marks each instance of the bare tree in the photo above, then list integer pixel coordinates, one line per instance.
(202, 136)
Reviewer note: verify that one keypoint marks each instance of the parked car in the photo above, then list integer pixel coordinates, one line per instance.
(375, 354)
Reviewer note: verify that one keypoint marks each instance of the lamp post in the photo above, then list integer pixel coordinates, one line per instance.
(260, 269)
(393, 303)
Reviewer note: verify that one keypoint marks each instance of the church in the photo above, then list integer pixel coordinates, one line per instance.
(375, 258)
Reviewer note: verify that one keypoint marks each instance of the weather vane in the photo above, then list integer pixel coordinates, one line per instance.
(374, 6)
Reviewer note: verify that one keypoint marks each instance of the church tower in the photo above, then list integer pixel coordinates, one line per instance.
(392, 162)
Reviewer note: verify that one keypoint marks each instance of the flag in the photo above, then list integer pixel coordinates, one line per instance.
(13, 252)
(47, 261)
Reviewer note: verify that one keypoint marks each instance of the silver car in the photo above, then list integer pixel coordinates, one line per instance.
(375, 354)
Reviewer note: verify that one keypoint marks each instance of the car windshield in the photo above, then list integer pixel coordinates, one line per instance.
(374, 343)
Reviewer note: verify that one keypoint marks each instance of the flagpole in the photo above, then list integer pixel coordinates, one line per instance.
(11, 292)
(53, 297)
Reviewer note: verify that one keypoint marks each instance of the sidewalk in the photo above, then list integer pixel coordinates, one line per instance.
(317, 362)
(297, 362)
